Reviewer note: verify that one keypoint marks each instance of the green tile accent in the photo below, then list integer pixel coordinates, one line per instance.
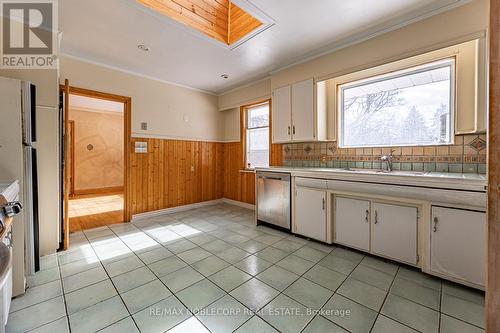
(429, 167)
(406, 166)
(418, 166)
(442, 167)
(470, 168)
(457, 168)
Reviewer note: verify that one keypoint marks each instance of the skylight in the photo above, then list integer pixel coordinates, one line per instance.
(221, 20)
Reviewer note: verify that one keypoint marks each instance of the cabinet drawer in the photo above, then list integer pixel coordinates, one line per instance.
(311, 182)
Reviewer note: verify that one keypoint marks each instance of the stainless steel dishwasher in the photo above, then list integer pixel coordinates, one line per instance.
(273, 198)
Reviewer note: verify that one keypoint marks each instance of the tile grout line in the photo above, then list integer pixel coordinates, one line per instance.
(242, 224)
(114, 286)
(159, 279)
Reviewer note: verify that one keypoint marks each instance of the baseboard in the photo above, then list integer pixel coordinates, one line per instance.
(100, 190)
(154, 213)
(238, 203)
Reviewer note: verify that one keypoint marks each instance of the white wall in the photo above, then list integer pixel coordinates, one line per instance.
(232, 125)
(172, 112)
(461, 24)
(451, 27)
(248, 94)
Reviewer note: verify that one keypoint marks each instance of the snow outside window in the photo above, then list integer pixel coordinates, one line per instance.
(411, 107)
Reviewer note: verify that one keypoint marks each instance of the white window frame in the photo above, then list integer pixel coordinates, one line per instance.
(395, 74)
(245, 125)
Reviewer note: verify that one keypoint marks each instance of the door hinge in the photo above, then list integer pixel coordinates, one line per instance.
(418, 258)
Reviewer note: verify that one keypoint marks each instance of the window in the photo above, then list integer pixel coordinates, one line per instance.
(404, 108)
(257, 136)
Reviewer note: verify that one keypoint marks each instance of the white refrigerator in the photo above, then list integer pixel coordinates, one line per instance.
(18, 161)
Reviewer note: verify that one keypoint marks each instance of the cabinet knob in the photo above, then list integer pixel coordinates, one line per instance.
(436, 220)
(376, 217)
(288, 130)
(367, 212)
(324, 204)
(293, 132)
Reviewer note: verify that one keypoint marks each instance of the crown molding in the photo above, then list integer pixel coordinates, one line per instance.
(130, 72)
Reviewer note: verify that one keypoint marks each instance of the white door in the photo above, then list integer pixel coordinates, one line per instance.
(282, 115)
(352, 222)
(394, 232)
(310, 213)
(458, 242)
(303, 111)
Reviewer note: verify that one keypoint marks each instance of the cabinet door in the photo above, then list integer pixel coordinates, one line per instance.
(352, 222)
(282, 115)
(303, 111)
(310, 213)
(394, 232)
(458, 242)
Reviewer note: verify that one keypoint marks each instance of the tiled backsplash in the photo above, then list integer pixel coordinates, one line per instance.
(467, 155)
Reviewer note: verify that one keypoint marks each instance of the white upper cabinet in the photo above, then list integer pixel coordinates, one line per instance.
(282, 115)
(296, 117)
(394, 232)
(303, 111)
(458, 243)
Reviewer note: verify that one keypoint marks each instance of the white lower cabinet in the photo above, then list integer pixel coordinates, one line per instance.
(458, 243)
(352, 222)
(310, 213)
(394, 232)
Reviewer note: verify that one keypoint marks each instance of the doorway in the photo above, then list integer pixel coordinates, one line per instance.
(96, 135)
(96, 168)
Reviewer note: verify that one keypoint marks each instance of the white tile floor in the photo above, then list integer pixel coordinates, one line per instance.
(211, 270)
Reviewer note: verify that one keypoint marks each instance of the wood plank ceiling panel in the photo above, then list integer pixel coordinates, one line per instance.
(218, 19)
(240, 24)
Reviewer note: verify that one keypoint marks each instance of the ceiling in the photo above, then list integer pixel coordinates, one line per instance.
(108, 32)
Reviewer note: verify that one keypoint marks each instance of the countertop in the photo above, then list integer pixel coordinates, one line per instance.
(9, 191)
(460, 181)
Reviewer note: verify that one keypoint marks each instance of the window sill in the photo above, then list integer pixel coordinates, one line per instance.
(247, 170)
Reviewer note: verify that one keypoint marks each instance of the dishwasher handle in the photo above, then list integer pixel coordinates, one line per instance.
(273, 176)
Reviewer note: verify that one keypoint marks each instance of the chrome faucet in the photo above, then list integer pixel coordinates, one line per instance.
(387, 159)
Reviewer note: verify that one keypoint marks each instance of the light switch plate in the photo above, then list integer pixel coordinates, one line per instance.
(141, 147)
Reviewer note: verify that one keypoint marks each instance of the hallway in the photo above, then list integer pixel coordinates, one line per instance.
(91, 211)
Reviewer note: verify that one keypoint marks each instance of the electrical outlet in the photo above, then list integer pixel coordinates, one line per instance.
(144, 126)
(141, 147)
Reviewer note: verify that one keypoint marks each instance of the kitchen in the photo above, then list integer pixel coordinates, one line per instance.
(349, 169)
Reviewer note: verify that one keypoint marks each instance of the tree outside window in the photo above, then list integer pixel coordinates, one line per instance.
(257, 136)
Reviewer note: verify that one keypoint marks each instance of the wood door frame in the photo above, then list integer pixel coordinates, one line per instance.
(493, 245)
(71, 127)
(127, 105)
(243, 128)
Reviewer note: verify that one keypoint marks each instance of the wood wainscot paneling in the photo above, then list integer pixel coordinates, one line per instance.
(175, 173)
(239, 184)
